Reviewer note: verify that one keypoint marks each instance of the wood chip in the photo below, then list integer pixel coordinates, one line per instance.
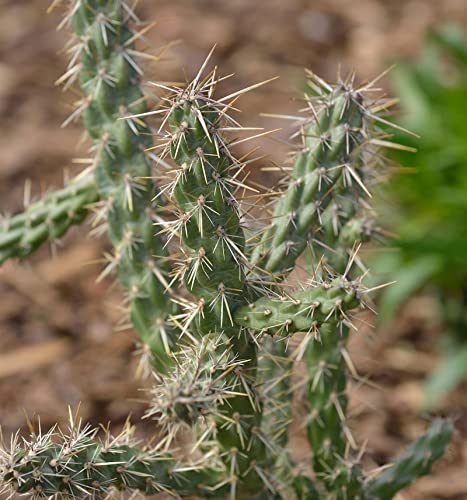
(32, 357)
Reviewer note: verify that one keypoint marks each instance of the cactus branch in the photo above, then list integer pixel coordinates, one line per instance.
(77, 464)
(303, 311)
(332, 142)
(103, 59)
(47, 219)
(414, 463)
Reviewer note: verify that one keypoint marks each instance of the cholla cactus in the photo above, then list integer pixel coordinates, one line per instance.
(216, 312)
(47, 219)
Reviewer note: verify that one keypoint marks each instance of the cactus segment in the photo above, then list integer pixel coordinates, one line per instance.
(109, 78)
(300, 311)
(329, 157)
(414, 463)
(275, 369)
(326, 392)
(47, 219)
(77, 464)
(210, 227)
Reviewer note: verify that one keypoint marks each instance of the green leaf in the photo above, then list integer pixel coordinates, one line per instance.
(446, 376)
(409, 278)
(451, 38)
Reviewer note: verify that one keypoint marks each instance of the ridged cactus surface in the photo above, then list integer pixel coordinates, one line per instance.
(109, 75)
(214, 265)
(47, 219)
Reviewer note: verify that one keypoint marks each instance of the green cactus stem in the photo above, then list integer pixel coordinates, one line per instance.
(76, 464)
(47, 219)
(330, 156)
(209, 222)
(214, 270)
(299, 311)
(109, 77)
(326, 392)
(414, 463)
(275, 369)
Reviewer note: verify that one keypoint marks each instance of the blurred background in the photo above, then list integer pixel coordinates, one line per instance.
(62, 340)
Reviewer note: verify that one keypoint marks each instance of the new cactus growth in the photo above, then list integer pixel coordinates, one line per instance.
(210, 299)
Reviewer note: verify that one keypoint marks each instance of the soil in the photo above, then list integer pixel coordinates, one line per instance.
(62, 338)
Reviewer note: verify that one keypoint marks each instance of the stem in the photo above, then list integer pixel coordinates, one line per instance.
(109, 78)
(47, 219)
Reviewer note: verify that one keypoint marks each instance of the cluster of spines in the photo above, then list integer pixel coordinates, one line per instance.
(78, 463)
(47, 219)
(197, 385)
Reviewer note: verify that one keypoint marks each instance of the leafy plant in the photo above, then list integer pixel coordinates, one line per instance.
(208, 291)
(428, 204)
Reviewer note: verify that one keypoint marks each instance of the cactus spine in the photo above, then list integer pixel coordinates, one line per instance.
(223, 364)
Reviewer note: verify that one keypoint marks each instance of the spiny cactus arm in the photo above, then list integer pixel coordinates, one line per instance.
(209, 227)
(209, 224)
(327, 428)
(105, 61)
(416, 462)
(78, 465)
(330, 156)
(302, 311)
(47, 219)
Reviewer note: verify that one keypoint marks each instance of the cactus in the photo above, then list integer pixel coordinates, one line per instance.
(76, 463)
(47, 219)
(416, 462)
(300, 311)
(209, 294)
